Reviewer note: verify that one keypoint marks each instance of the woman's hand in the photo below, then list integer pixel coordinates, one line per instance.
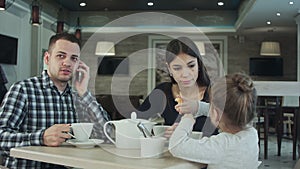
(170, 130)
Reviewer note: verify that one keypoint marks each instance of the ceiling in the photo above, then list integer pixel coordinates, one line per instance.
(253, 21)
(265, 10)
(132, 5)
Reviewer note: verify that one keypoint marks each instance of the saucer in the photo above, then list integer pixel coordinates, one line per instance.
(87, 144)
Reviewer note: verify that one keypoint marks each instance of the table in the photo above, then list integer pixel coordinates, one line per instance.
(98, 158)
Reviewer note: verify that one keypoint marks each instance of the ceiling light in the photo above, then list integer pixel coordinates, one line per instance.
(278, 14)
(82, 4)
(268, 22)
(291, 2)
(150, 3)
(220, 3)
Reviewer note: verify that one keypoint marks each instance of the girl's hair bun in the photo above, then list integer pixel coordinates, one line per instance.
(243, 83)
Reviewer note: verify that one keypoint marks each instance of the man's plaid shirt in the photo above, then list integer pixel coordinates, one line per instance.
(33, 105)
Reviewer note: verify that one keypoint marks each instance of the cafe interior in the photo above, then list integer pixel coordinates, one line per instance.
(258, 37)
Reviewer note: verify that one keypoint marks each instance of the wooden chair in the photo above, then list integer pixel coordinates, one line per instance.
(288, 123)
(267, 106)
(289, 108)
(259, 119)
(278, 107)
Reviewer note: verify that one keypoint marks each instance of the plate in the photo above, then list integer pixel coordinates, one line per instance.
(128, 153)
(88, 144)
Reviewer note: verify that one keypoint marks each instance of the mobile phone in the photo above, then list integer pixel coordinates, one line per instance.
(78, 76)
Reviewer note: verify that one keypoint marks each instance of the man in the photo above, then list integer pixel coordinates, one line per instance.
(39, 110)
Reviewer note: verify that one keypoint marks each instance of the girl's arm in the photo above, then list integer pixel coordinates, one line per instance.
(203, 109)
(196, 107)
(206, 150)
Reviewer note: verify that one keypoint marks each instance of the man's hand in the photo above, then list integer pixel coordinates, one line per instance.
(81, 84)
(56, 134)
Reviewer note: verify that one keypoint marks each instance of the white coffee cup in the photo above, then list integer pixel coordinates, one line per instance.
(82, 131)
(152, 147)
(159, 130)
(196, 134)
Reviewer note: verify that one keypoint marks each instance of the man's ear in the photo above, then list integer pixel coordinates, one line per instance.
(46, 57)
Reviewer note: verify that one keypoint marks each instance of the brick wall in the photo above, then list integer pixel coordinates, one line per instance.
(239, 53)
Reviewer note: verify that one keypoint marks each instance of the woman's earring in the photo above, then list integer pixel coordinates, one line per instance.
(171, 74)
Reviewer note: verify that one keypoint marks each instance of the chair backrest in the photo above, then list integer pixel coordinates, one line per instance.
(290, 101)
(272, 101)
(108, 102)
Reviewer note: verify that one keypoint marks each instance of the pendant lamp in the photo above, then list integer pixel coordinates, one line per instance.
(270, 48)
(60, 27)
(2, 5)
(78, 30)
(35, 13)
(5, 4)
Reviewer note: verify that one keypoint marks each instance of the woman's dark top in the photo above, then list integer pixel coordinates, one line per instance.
(165, 105)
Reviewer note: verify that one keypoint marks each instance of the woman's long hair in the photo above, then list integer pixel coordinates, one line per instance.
(187, 46)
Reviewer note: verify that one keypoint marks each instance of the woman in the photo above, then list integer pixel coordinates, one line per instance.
(189, 80)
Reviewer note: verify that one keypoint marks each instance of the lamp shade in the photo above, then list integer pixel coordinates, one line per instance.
(270, 49)
(5, 4)
(60, 27)
(105, 48)
(35, 13)
(78, 33)
(78, 30)
(200, 45)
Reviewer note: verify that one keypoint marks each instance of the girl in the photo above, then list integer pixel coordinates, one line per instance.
(232, 109)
